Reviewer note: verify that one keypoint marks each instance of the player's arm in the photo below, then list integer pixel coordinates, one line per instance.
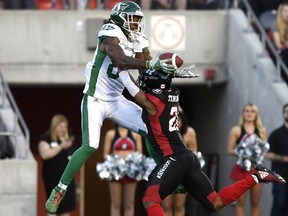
(145, 55)
(134, 90)
(141, 99)
(111, 46)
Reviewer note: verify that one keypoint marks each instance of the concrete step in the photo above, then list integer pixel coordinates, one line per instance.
(18, 188)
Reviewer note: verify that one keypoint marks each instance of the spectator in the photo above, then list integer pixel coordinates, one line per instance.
(178, 164)
(55, 4)
(280, 30)
(6, 147)
(82, 4)
(278, 154)
(260, 6)
(19, 4)
(164, 4)
(93, 4)
(2, 4)
(109, 4)
(56, 147)
(174, 204)
(203, 4)
(250, 123)
(106, 77)
(280, 35)
(122, 142)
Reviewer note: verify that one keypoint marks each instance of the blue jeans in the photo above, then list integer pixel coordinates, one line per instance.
(280, 200)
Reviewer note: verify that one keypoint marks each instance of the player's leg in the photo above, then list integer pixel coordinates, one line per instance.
(259, 174)
(93, 114)
(198, 185)
(163, 180)
(152, 200)
(129, 198)
(201, 188)
(116, 190)
(128, 115)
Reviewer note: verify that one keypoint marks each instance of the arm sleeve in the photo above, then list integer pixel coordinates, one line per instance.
(128, 83)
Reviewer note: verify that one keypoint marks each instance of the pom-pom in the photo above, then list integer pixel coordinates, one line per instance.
(251, 151)
(135, 166)
(113, 168)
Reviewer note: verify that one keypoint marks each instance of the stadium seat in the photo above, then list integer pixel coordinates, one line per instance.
(92, 4)
(47, 5)
(109, 4)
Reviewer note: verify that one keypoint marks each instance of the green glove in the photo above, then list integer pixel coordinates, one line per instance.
(160, 65)
(186, 72)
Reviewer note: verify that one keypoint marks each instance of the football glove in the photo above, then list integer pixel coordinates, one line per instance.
(160, 65)
(186, 72)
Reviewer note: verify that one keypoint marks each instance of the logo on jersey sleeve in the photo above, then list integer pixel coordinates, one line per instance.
(107, 27)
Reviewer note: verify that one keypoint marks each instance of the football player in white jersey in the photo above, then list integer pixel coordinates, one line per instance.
(118, 42)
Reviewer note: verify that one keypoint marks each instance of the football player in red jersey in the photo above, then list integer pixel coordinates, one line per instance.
(175, 162)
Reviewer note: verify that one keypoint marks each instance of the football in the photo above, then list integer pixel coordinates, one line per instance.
(176, 60)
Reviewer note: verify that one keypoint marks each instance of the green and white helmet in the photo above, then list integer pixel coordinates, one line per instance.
(128, 12)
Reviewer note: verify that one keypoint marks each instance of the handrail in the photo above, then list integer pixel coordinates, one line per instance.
(9, 134)
(265, 39)
(18, 114)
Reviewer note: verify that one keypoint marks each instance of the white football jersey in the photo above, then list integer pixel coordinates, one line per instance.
(102, 79)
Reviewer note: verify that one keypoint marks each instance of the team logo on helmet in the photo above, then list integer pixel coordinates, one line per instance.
(157, 91)
(119, 7)
(125, 13)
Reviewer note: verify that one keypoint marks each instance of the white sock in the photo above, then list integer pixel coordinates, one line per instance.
(62, 186)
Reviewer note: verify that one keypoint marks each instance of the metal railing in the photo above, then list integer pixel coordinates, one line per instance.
(265, 40)
(19, 121)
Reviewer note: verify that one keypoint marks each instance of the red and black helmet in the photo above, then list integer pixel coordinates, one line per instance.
(154, 79)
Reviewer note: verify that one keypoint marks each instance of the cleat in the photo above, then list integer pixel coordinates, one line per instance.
(54, 200)
(265, 175)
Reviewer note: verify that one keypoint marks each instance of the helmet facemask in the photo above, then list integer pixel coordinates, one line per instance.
(133, 19)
